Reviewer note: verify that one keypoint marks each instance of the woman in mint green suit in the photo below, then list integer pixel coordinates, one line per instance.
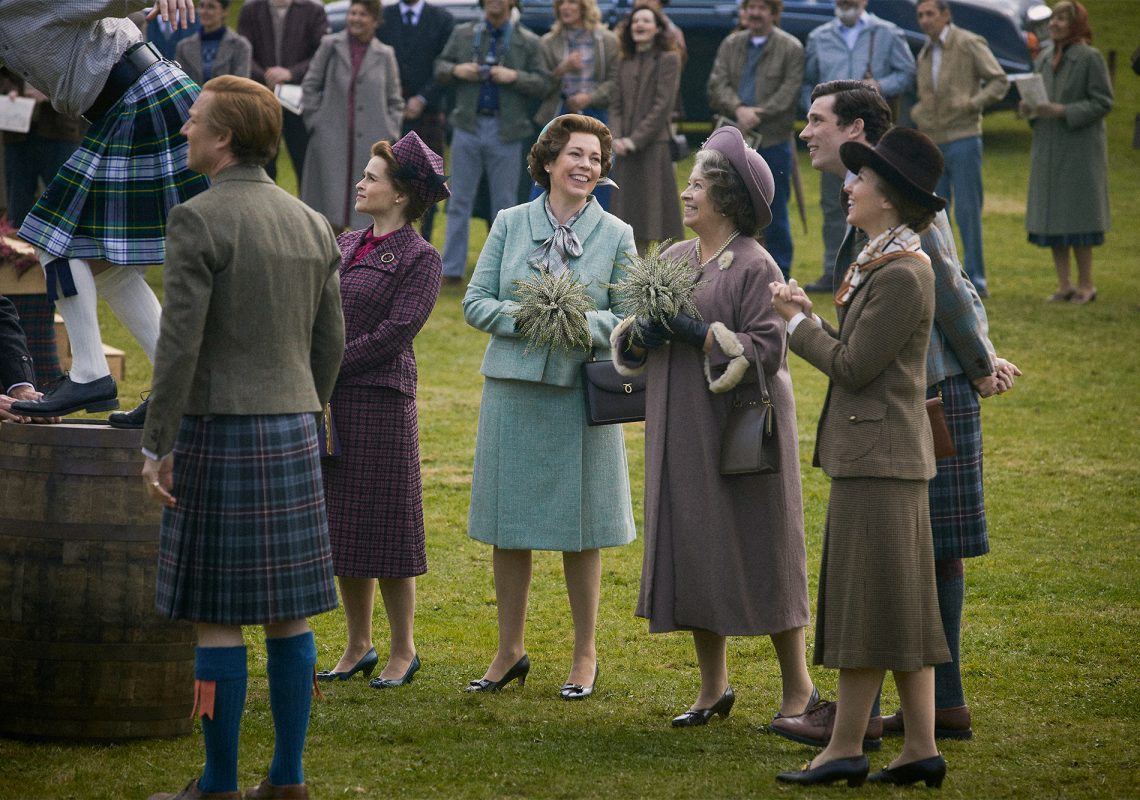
(543, 479)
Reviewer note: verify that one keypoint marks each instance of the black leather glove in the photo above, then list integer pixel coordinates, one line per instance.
(650, 334)
(688, 330)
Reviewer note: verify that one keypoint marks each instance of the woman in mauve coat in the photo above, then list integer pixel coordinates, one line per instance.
(1068, 176)
(351, 98)
(640, 113)
(724, 555)
(389, 282)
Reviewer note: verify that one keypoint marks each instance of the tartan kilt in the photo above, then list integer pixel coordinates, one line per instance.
(247, 543)
(111, 198)
(37, 318)
(957, 501)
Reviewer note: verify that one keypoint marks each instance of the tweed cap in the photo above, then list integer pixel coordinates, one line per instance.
(421, 167)
(750, 166)
(906, 159)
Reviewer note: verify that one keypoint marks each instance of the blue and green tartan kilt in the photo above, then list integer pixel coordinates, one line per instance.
(957, 502)
(111, 198)
(248, 541)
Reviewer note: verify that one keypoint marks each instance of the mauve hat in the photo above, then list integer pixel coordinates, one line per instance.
(906, 159)
(421, 168)
(750, 166)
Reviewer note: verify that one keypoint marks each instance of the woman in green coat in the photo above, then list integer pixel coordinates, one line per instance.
(1068, 178)
(543, 479)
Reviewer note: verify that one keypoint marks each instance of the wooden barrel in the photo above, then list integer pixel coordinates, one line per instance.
(83, 653)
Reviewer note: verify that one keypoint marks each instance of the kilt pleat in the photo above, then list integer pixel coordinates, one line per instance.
(247, 542)
(957, 499)
(110, 200)
(373, 489)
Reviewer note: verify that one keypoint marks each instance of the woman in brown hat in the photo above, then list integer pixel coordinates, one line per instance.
(389, 282)
(724, 554)
(878, 605)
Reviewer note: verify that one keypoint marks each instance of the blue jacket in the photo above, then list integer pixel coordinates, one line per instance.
(828, 59)
(607, 244)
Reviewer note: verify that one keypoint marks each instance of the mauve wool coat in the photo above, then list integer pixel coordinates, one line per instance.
(333, 163)
(722, 553)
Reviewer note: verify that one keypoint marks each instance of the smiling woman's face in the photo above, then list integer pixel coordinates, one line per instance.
(575, 171)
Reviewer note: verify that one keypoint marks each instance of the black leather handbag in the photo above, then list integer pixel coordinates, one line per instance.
(749, 445)
(612, 398)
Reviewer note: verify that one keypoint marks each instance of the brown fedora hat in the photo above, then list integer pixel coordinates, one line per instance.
(750, 166)
(906, 159)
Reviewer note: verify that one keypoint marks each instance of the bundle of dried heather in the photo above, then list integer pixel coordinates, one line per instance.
(656, 288)
(552, 311)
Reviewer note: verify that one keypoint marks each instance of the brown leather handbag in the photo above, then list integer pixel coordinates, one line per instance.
(943, 441)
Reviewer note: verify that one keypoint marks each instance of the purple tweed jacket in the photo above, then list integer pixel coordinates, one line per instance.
(387, 297)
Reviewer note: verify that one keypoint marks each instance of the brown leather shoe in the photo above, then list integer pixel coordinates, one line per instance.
(815, 725)
(192, 792)
(267, 791)
(949, 723)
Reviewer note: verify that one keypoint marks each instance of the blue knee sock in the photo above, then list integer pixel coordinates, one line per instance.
(226, 668)
(290, 669)
(948, 692)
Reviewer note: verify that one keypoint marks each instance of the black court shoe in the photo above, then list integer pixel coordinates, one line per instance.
(853, 770)
(701, 716)
(932, 770)
(519, 670)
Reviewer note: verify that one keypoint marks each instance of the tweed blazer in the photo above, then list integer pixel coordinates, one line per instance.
(15, 360)
(305, 24)
(779, 75)
(969, 79)
(959, 341)
(607, 244)
(605, 70)
(387, 297)
(517, 101)
(416, 49)
(251, 319)
(874, 421)
(233, 57)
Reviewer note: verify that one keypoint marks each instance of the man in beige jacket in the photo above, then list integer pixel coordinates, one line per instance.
(958, 77)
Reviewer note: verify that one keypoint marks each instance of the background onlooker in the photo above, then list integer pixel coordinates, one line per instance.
(166, 37)
(958, 77)
(755, 81)
(351, 99)
(418, 31)
(284, 35)
(215, 49)
(1068, 175)
(648, 77)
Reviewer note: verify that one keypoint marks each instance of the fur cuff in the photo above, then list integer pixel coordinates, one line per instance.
(617, 352)
(729, 345)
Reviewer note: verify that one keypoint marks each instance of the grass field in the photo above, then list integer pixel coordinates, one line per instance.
(1052, 626)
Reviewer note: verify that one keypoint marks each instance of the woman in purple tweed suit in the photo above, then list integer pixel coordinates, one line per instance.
(390, 280)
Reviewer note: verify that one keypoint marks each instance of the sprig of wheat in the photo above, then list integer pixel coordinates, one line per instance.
(552, 311)
(656, 288)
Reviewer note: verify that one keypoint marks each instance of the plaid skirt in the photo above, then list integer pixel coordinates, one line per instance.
(247, 543)
(957, 502)
(373, 489)
(110, 200)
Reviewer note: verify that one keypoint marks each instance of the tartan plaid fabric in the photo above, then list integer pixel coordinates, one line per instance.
(248, 541)
(957, 502)
(373, 490)
(111, 198)
(37, 318)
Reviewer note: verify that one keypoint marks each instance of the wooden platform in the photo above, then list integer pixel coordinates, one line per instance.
(31, 282)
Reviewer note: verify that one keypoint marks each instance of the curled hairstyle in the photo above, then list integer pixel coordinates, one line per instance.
(416, 205)
(911, 213)
(663, 41)
(554, 138)
(371, 6)
(249, 113)
(726, 191)
(591, 16)
(856, 100)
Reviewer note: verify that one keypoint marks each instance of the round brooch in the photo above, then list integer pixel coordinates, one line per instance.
(387, 258)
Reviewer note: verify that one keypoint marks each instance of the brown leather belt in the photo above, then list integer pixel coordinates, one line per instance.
(136, 60)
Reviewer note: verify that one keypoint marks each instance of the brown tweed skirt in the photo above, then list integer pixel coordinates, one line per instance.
(878, 604)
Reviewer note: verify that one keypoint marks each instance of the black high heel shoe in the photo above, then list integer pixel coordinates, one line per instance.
(519, 670)
(392, 683)
(365, 665)
(854, 770)
(576, 691)
(932, 770)
(701, 716)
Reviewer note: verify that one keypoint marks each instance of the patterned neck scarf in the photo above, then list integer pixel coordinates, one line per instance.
(899, 239)
(554, 254)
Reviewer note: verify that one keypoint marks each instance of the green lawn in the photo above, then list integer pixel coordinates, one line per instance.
(1052, 624)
